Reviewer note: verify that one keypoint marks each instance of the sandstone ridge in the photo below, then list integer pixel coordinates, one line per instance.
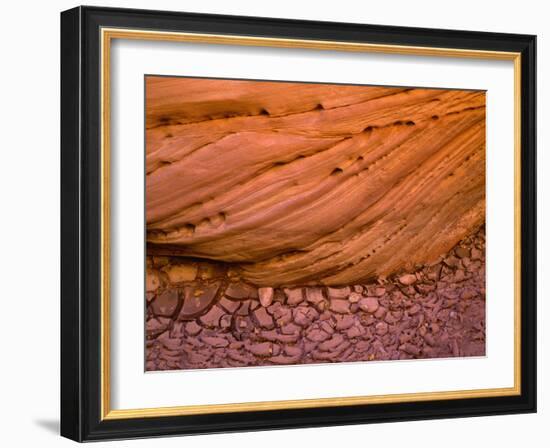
(311, 183)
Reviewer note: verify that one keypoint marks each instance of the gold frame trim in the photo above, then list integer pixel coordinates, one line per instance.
(107, 35)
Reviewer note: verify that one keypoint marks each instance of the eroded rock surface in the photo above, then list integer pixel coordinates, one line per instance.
(217, 319)
(299, 184)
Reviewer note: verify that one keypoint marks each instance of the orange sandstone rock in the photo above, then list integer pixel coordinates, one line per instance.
(311, 183)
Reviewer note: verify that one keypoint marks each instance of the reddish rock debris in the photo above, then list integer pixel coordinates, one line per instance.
(217, 320)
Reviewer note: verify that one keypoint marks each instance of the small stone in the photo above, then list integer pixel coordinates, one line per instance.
(391, 318)
(434, 272)
(290, 328)
(468, 294)
(304, 316)
(225, 322)
(284, 360)
(274, 308)
(344, 322)
(430, 340)
(425, 288)
(338, 293)
(362, 346)
(236, 356)
(263, 318)
(215, 341)
(369, 304)
(355, 332)
(379, 291)
(475, 266)
(332, 343)
(317, 335)
(355, 297)
(242, 322)
(476, 254)
(166, 303)
(381, 328)
(327, 325)
(462, 252)
(170, 343)
(181, 272)
(459, 276)
(272, 335)
(380, 312)
(398, 314)
(156, 325)
(309, 346)
(407, 279)
(294, 296)
(405, 337)
(398, 295)
(340, 306)
(244, 308)
(283, 316)
(410, 349)
(192, 328)
(198, 358)
(451, 261)
(292, 350)
(195, 304)
(261, 349)
(358, 288)
(367, 319)
(266, 296)
(314, 295)
(152, 281)
(212, 318)
(414, 309)
(229, 305)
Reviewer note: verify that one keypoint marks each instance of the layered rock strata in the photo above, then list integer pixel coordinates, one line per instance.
(311, 184)
(205, 315)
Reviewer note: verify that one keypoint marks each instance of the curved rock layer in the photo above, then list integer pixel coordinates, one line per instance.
(298, 183)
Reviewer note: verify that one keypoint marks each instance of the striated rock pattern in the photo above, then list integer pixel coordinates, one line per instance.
(311, 184)
(202, 315)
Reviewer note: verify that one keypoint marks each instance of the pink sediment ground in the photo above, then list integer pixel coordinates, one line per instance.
(214, 321)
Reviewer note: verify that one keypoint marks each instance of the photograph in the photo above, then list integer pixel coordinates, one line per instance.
(282, 223)
(277, 224)
(292, 223)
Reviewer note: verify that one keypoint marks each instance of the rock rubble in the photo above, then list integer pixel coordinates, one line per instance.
(204, 317)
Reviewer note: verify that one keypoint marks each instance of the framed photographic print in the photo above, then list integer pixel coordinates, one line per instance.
(275, 224)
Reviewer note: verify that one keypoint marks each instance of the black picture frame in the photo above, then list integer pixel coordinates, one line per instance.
(81, 228)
